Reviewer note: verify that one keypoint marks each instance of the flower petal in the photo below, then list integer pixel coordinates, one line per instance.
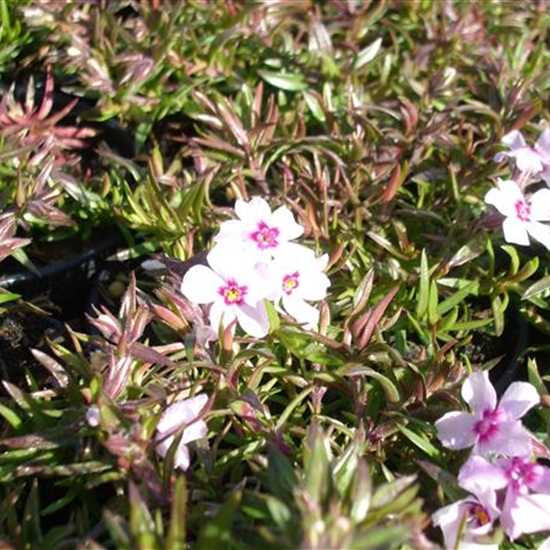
(200, 285)
(539, 232)
(221, 315)
(513, 140)
(284, 220)
(455, 430)
(515, 231)
(510, 439)
(479, 393)
(505, 196)
(194, 431)
(543, 143)
(540, 205)
(253, 319)
(525, 514)
(181, 458)
(478, 475)
(541, 479)
(518, 399)
(253, 211)
(528, 160)
(180, 413)
(301, 311)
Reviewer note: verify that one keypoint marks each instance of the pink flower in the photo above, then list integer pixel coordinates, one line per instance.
(296, 277)
(465, 522)
(233, 288)
(533, 160)
(181, 417)
(523, 216)
(490, 427)
(258, 230)
(526, 507)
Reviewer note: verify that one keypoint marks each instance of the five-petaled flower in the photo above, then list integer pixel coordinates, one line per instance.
(181, 419)
(259, 231)
(532, 160)
(296, 278)
(523, 216)
(526, 507)
(491, 427)
(464, 523)
(233, 288)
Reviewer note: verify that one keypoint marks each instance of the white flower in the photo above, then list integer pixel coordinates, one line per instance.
(533, 160)
(258, 230)
(522, 216)
(233, 287)
(297, 277)
(181, 414)
(466, 522)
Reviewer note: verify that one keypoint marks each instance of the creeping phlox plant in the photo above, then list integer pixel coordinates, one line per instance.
(503, 479)
(524, 211)
(254, 260)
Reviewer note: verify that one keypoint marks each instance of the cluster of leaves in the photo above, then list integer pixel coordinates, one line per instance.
(376, 123)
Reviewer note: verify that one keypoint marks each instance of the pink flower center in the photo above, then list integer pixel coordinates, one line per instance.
(290, 282)
(265, 236)
(522, 473)
(478, 514)
(232, 293)
(487, 426)
(523, 211)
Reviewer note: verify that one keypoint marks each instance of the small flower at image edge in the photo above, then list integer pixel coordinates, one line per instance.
(533, 160)
(526, 507)
(232, 287)
(522, 217)
(466, 521)
(489, 427)
(181, 414)
(258, 230)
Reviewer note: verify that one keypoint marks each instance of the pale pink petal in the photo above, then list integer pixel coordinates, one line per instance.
(515, 231)
(525, 514)
(539, 232)
(455, 430)
(545, 545)
(180, 413)
(449, 520)
(220, 315)
(284, 220)
(543, 143)
(163, 446)
(301, 311)
(314, 284)
(253, 319)
(452, 518)
(479, 393)
(505, 196)
(510, 439)
(252, 211)
(541, 479)
(540, 205)
(181, 458)
(200, 285)
(478, 475)
(519, 398)
(514, 140)
(528, 160)
(231, 229)
(194, 431)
